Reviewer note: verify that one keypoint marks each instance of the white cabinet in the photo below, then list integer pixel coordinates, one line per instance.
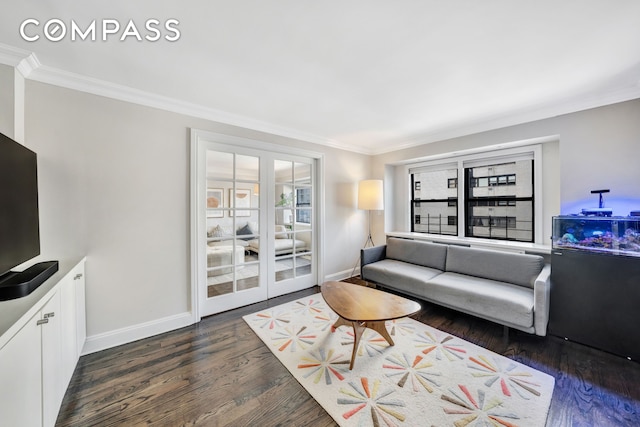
(37, 363)
(73, 328)
(21, 377)
(51, 331)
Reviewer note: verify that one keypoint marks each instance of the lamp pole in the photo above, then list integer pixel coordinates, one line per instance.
(369, 238)
(370, 197)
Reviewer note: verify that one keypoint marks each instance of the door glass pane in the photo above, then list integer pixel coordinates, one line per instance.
(302, 174)
(303, 265)
(247, 168)
(220, 165)
(232, 223)
(294, 219)
(303, 242)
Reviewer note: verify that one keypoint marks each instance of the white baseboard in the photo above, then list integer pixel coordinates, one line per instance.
(99, 342)
(129, 334)
(340, 275)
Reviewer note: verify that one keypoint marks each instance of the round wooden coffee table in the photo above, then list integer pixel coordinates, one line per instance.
(361, 307)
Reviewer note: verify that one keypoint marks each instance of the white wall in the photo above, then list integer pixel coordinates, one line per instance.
(7, 101)
(60, 192)
(118, 180)
(598, 148)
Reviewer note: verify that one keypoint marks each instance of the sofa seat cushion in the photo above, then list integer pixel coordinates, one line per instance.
(519, 269)
(474, 295)
(399, 275)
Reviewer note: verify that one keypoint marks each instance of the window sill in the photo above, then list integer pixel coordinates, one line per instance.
(504, 245)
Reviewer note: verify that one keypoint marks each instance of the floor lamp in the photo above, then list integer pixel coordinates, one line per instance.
(370, 198)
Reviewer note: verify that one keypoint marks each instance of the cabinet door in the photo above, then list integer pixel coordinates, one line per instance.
(21, 378)
(52, 375)
(69, 348)
(594, 300)
(81, 317)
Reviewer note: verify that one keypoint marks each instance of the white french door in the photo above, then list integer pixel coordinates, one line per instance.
(292, 255)
(254, 216)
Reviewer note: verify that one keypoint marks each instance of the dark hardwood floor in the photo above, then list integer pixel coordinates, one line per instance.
(219, 373)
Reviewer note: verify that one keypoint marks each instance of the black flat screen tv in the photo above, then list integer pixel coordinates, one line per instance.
(19, 220)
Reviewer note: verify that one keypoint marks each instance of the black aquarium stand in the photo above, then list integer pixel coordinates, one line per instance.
(595, 300)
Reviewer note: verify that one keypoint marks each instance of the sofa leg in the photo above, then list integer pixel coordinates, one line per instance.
(505, 336)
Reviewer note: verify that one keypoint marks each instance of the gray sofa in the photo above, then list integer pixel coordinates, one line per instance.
(507, 288)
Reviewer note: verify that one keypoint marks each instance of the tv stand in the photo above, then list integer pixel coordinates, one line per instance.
(20, 284)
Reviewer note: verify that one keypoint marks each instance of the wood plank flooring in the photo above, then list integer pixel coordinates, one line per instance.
(219, 373)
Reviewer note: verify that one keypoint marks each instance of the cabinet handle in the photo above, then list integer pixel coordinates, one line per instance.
(77, 276)
(48, 315)
(42, 322)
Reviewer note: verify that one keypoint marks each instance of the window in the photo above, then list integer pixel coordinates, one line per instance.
(435, 201)
(484, 195)
(503, 209)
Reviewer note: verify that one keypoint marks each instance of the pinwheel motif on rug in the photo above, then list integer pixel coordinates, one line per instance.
(428, 378)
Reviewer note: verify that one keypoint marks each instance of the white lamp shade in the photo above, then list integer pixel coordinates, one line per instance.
(370, 195)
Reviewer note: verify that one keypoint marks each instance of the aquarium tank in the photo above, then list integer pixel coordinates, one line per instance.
(613, 235)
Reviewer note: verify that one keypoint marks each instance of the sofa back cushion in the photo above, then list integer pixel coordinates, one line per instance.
(519, 269)
(427, 254)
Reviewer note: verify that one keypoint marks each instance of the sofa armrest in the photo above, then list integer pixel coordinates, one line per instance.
(371, 255)
(541, 296)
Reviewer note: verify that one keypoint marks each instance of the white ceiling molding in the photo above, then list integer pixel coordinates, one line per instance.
(49, 75)
(567, 106)
(30, 67)
(13, 56)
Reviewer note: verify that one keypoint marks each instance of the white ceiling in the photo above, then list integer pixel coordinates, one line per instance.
(366, 75)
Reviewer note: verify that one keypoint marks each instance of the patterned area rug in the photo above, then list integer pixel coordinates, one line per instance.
(429, 378)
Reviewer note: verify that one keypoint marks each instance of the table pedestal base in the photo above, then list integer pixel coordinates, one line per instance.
(358, 329)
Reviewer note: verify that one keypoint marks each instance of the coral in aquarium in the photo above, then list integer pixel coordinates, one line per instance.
(628, 242)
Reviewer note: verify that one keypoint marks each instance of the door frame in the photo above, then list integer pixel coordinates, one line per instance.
(200, 137)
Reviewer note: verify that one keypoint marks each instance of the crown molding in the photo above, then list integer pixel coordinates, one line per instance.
(12, 56)
(30, 67)
(56, 77)
(525, 115)
(22, 60)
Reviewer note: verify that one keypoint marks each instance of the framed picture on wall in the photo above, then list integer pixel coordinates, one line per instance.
(215, 202)
(241, 199)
